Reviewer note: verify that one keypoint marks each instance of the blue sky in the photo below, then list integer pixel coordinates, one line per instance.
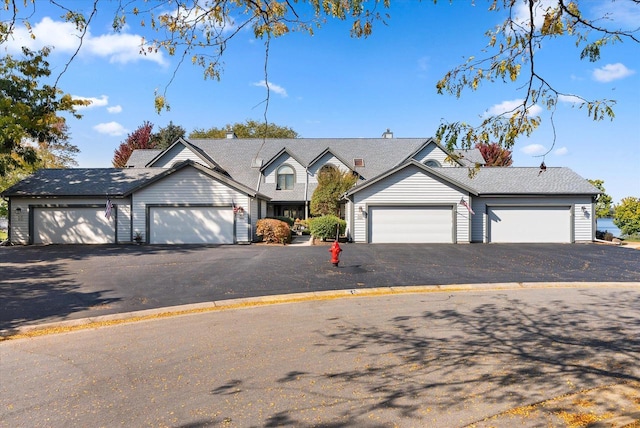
(330, 85)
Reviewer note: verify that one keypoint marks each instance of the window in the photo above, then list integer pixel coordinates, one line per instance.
(285, 178)
(432, 163)
(358, 162)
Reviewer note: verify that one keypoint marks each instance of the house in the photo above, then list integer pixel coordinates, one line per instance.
(214, 191)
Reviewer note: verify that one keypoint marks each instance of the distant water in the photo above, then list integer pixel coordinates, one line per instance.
(606, 225)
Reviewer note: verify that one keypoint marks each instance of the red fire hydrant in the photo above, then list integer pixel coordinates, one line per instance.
(335, 251)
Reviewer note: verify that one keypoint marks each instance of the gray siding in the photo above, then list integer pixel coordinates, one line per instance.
(187, 187)
(123, 217)
(326, 159)
(409, 186)
(432, 151)
(178, 153)
(255, 210)
(284, 159)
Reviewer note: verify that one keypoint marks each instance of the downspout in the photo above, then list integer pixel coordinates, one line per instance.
(306, 192)
(594, 218)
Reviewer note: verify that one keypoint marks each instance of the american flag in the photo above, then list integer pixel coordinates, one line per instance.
(108, 208)
(466, 205)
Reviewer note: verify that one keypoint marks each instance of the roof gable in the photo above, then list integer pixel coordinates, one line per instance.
(175, 153)
(274, 158)
(328, 153)
(426, 151)
(203, 169)
(435, 172)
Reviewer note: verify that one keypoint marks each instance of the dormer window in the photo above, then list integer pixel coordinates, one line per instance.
(285, 178)
(432, 163)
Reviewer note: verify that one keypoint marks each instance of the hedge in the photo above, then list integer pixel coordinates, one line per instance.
(325, 227)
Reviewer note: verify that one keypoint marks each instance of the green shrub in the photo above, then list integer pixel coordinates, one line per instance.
(626, 216)
(325, 227)
(287, 220)
(273, 231)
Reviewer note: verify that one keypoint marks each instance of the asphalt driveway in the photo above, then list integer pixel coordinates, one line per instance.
(51, 283)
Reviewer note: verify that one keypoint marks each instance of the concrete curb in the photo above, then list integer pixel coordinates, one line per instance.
(252, 302)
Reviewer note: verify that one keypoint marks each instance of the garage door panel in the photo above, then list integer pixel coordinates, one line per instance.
(191, 225)
(72, 226)
(540, 224)
(411, 224)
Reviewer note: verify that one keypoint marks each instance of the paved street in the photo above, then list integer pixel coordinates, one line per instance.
(51, 283)
(446, 359)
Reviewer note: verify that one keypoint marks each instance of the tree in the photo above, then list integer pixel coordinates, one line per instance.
(201, 31)
(30, 120)
(603, 201)
(332, 183)
(168, 135)
(249, 129)
(494, 155)
(59, 155)
(626, 216)
(138, 139)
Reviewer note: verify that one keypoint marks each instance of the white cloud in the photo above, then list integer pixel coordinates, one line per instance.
(611, 72)
(534, 149)
(521, 12)
(506, 107)
(111, 128)
(572, 99)
(561, 151)
(277, 89)
(618, 13)
(95, 102)
(64, 37)
(122, 48)
(114, 109)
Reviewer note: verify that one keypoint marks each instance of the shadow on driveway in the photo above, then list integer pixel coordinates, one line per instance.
(52, 283)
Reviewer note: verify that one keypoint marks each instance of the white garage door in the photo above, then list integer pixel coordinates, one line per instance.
(411, 224)
(72, 226)
(529, 224)
(191, 225)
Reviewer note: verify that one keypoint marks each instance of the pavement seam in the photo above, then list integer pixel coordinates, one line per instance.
(57, 327)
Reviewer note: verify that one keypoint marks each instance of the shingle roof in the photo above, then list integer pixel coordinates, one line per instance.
(236, 155)
(502, 181)
(83, 182)
(238, 158)
(141, 157)
(104, 181)
(522, 180)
